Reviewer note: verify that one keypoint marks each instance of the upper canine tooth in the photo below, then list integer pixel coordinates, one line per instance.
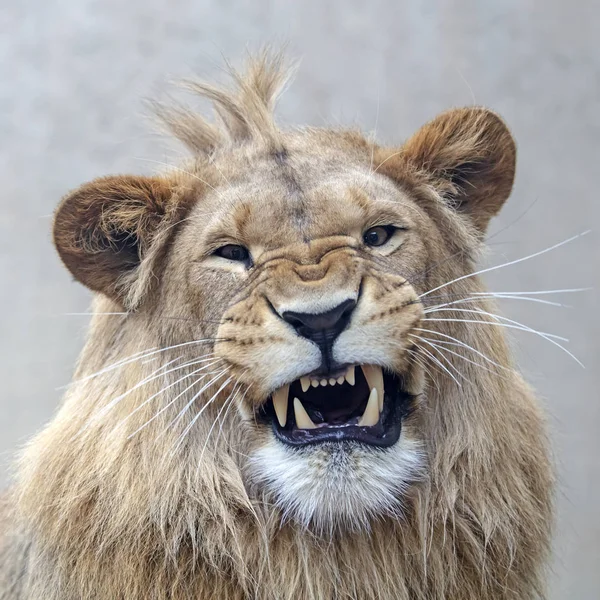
(374, 377)
(280, 403)
(303, 421)
(350, 375)
(371, 414)
(305, 383)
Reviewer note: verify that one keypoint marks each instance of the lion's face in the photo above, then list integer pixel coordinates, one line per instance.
(310, 274)
(302, 265)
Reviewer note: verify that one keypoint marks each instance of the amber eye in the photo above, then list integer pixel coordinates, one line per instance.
(233, 252)
(377, 236)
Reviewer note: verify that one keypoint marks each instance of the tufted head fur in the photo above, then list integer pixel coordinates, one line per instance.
(167, 471)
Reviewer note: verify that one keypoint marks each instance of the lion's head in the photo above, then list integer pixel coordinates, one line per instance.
(264, 351)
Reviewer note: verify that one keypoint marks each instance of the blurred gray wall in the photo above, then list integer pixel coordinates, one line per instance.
(72, 76)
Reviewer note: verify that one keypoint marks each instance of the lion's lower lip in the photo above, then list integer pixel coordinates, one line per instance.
(343, 412)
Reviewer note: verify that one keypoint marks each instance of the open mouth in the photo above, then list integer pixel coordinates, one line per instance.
(362, 404)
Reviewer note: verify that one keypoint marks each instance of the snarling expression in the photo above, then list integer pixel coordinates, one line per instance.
(314, 272)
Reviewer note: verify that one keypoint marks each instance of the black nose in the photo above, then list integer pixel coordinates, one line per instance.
(321, 328)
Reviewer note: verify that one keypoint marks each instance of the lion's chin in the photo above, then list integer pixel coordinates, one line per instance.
(335, 486)
(362, 404)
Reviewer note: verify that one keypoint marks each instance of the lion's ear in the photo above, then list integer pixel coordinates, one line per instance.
(105, 229)
(469, 155)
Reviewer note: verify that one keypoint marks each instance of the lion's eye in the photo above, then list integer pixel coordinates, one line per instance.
(377, 236)
(233, 252)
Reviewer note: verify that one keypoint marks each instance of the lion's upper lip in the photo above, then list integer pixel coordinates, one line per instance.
(362, 404)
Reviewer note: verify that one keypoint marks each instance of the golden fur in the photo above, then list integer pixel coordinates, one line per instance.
(125, 494)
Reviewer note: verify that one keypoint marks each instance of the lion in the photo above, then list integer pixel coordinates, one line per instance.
(292, 386)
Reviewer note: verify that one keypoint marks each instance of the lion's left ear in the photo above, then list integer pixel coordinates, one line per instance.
(469, 156)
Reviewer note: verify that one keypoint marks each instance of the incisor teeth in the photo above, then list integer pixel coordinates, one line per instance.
(280, 403)
(340, 380)
(323, 382)
(303, 421)
(371, 414)
(314, 383)
(305, 383)
(350, 375)
(374, 377)
(332, 381)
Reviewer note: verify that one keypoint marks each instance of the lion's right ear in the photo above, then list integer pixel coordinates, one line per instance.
(106, 228)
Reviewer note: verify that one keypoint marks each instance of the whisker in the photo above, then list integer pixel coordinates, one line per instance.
(149, 360)
(197, 416)
(232, 403)
(435, 360)
(433, 345)
(509, 326)
(440, 348)
(491, 296)
(227, 403)
(154, 376)
(507, 264)
(539, 292)
(225, 415)
(104, 314)
(464, 345)
(195, 396)
(122, 362)
(507, 295)
(138, 356)
(170, 385)
(497, 317)
(172, 401)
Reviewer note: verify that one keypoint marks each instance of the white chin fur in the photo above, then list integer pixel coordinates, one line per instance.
(330, 487)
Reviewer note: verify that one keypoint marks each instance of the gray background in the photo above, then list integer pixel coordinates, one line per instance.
(72, 76)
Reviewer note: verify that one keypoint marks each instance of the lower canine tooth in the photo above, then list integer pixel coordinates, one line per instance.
(350, 375)
(374, 377)
(280, 404)
(303, 421)
(371, 414)
(305, 383)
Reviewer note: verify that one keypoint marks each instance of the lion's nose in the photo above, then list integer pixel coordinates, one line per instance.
(321, 328)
